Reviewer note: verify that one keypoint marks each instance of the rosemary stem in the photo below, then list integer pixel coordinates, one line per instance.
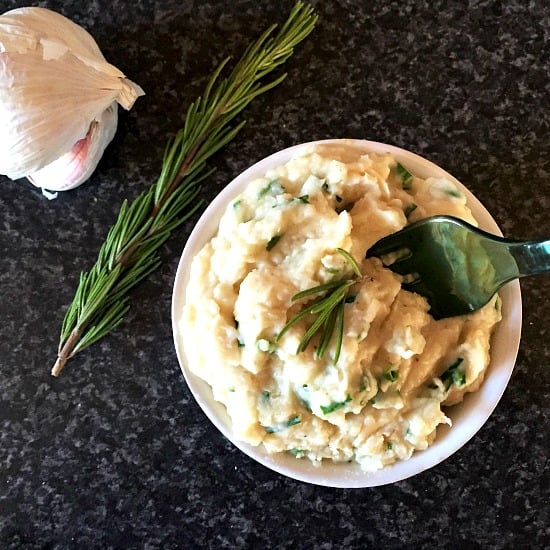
(131, 249)
(66, 351)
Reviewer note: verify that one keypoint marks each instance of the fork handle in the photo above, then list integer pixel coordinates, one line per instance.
(532, 257)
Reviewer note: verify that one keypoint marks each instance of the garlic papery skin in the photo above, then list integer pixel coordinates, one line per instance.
(56, 89)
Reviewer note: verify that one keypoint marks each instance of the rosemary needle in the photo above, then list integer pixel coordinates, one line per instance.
(130, 251)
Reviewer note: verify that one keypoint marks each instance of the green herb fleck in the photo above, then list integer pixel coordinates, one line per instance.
(325, 187)
(273, 241)
(282, 425)
(391, 374)
(293, 421)
(389, 445)
(453, 193)
(231, 389)
(240, 343)
(304, 199)
(237, 204)
(405, 175)
(350, 298)
(298, 453)
(409, 209)
(266, 394)
(274, 187)
(455, 374)
(335, 405)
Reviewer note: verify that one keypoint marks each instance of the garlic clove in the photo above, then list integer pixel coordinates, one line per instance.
(76, 166)
(56, 89)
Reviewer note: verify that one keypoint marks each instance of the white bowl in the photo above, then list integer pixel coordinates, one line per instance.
(467, 417)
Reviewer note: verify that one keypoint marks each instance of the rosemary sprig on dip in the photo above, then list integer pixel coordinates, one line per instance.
(130, 251)
(329, 311)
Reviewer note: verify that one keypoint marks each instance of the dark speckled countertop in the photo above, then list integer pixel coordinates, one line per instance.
(115, 453)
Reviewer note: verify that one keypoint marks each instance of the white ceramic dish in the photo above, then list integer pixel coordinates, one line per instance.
(467, 417)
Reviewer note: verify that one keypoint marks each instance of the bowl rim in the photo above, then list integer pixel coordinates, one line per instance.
(468, 417)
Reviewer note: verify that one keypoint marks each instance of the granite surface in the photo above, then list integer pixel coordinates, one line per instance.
(115, 453)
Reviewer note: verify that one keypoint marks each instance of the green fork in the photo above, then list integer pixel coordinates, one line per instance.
(455, 265)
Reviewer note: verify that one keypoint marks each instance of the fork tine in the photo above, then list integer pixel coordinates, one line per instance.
(385, 245)
(404, 266)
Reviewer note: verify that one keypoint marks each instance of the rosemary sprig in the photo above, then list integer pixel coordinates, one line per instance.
(329, 309)
(130, 251)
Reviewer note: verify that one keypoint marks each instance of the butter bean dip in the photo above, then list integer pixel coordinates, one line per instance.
(398, 368)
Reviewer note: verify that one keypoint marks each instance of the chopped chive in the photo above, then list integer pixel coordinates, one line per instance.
(455, 374)
(298, 453)
(391, 374)
(293, 421)
(335, 405)
(263, 191)
(405, 175)
(274, 187)
(237, 204)
(459, 378)
(409, 209)
(453, 193)
(273, 241)
(304, 199)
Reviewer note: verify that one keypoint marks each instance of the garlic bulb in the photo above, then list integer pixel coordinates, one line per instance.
(58, 99)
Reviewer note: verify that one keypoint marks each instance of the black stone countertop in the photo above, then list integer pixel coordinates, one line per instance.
(115, 453)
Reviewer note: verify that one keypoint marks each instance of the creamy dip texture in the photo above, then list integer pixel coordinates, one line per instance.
(382, 399)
